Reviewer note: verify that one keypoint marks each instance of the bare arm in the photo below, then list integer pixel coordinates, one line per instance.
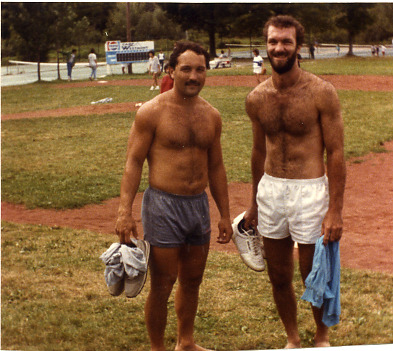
(258, 156)
(139, 142)
(333, 136)
(219, 187)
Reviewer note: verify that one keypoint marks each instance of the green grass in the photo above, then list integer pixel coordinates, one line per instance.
(64, 162)
(69, 162)
(54, 298)
(351, 66)
(47, 96)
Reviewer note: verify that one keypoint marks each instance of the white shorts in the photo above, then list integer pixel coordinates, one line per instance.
(258, 70)
(292, 207)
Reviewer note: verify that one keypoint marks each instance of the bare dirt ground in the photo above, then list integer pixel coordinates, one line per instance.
(367, 242)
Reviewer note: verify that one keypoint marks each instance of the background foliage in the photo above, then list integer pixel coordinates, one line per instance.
(31, 30)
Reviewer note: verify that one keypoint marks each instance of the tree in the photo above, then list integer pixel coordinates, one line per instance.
(62, 28)
(353, 18)
(209, 17)
(31, 21)
(382, 26)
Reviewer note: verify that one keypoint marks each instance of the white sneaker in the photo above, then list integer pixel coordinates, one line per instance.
(157, 87)
(133, 286)
(249, 244)
(152, 88)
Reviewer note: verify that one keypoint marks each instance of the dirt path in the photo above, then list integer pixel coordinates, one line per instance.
(364, 83)
(368, 216)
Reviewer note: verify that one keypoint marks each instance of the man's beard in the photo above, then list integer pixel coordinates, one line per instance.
(281, 69)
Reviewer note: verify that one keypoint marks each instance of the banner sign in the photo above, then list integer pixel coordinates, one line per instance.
(127, 52)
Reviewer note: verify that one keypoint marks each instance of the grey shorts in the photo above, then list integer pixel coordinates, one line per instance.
(171, 220)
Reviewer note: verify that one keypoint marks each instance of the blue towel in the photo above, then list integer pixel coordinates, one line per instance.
(323, 282)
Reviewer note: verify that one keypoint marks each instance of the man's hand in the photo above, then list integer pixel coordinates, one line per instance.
(251, 217)
(125, 226)
(225, 231)
(332, 227)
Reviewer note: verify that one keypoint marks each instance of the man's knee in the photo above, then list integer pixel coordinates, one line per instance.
(163, 284)
(191, 281)
(280, 278)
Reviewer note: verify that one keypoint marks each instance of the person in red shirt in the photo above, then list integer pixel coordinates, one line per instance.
(167, 81)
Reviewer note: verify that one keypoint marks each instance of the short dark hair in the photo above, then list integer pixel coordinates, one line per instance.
(151, 52)
(256, 51)
(183, 46)
(285, 21)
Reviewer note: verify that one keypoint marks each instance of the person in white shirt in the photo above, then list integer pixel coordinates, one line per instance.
(161, 58)
(93, 64)
(258, 66)
(154, 69)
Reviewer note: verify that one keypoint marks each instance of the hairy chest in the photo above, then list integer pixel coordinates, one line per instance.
(294, 113)
(182, 130)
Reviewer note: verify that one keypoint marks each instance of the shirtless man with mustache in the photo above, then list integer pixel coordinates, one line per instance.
(295, 118)
(178, 133)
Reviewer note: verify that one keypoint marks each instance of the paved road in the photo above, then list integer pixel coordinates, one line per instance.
(24, 74)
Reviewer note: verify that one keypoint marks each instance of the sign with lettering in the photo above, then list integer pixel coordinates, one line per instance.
(127, 52)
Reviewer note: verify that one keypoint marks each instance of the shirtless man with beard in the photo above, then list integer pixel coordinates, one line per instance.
(295, 118)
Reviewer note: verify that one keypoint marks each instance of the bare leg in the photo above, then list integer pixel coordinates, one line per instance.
(306, 254)
(279, 256)
(163, 272)
(191, 267)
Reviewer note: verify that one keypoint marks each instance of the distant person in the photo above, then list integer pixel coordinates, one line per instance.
(312, 49)
(123, 68)
(258, 66)
(383, 49)
(167, 81)
(373, 50)
(220, 57)
(295, 119)
(93, 64)
(154, 69)
(338, 49)
(71, 63)
(178, 132)
(161, 59)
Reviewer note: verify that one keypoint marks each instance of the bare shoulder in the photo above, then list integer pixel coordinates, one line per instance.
(319, 86)
(210, 110)
(325, 96)
(258, 96)
(260, 91)
(150, 111)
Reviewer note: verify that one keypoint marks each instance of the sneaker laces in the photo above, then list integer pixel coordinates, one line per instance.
(255, 244)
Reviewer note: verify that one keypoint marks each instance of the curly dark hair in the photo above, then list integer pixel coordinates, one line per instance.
(285, 21)
(182, 46)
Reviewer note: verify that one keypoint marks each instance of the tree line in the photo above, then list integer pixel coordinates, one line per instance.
(30, 31)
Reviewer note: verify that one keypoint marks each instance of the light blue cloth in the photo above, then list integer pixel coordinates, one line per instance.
(122, 259)
(323, 282)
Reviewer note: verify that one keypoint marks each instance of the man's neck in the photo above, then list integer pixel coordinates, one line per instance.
(287, 80)
(183, 100)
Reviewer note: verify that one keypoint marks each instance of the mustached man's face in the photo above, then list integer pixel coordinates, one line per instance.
(190, 73)
(282, 49)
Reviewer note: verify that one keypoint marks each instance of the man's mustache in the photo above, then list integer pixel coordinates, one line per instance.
(193, 82)
(280, 54)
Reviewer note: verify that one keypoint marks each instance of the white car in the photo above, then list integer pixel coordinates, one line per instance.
(224, 62)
